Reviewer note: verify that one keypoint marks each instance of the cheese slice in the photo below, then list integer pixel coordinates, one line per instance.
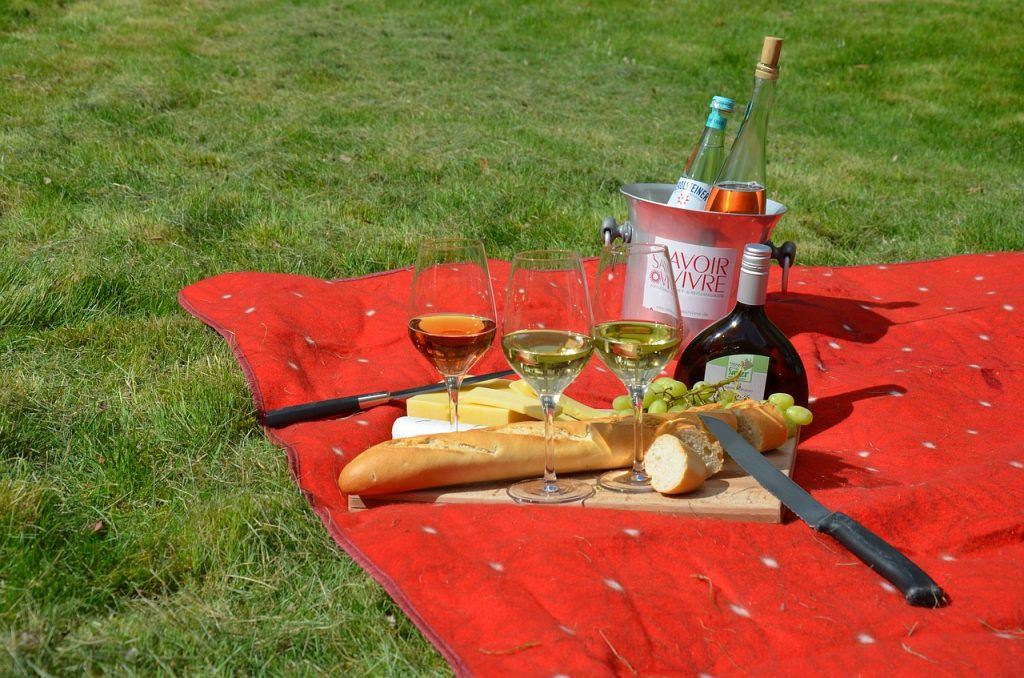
(507, 398)
(491, 383)
(573, 408)
(435, 406)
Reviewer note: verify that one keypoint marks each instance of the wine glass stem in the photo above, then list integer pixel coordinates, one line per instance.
(548, 403)
(636, 394)
(453, 384)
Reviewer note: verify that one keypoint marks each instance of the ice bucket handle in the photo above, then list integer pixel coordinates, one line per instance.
(612, 230)
(785, 254)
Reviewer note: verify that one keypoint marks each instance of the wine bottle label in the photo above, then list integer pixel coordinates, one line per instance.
(703, 276)
(753, 371)
(690, 194)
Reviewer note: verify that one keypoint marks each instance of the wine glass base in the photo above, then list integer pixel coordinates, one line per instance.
(539, 491)
(626, 481)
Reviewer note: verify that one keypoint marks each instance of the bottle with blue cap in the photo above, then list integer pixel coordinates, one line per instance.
(694, 185)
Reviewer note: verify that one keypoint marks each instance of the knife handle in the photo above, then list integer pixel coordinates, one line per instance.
(918, 588)
(335, 407)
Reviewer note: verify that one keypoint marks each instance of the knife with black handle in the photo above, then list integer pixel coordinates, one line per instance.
(879, 555)
(338, 407)
(918, 588)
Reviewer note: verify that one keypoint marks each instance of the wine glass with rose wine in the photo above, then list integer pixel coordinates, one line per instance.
(636, 338)
(547, 342)
(452, 317)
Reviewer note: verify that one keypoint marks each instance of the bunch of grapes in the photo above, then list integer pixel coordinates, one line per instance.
(670, 395)
(794, 414)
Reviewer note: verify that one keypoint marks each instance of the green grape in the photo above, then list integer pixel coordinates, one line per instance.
(726, 397)
(622, 402)
(659, 385)
(649, 397)
(800, 416)
(700, 386)
(676, 389)
(659, 406)
(783, 401)
(790, 429)
(678, 408)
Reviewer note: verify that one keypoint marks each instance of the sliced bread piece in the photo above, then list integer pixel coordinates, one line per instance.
(674, 467)
(695, 436)
(761, 425)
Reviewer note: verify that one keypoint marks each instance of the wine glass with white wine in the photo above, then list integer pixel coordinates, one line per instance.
(547, 342)
(636, 338)
(452, 318)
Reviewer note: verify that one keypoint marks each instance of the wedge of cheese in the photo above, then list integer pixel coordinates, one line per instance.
(573, 408)
(492, 383)
(508, 399)
(435, 406)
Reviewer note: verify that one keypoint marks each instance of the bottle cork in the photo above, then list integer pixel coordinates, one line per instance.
(768, 65)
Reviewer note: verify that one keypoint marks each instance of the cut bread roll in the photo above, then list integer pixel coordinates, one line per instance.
(517, 451)
(761, 425)
(696, 437)
(674, 466)
(684, 453)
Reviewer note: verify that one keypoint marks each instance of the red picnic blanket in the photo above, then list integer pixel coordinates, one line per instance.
(912, 369)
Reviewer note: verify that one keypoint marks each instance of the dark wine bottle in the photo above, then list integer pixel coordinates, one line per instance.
(747, 341)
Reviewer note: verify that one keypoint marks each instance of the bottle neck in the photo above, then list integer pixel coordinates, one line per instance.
(746, 161)
(753, 289)
(716, 120)
(707, 157)
(755, 119)
(761, 99)
(713, 137)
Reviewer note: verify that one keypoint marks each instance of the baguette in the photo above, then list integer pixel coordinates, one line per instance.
(684, 454)
(674, 466)
(761, 425)
(481, 455)
(697, 438)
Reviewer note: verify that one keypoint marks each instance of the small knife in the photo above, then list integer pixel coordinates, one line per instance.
(918, 588)
(337, 407)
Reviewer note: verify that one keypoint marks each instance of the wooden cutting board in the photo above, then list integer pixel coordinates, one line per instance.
(731, 494)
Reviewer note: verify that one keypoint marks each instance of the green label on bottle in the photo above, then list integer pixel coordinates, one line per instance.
(753, 371)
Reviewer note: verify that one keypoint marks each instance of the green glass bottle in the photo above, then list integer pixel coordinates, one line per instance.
(747, 341)
(694, 186)
(739, 188)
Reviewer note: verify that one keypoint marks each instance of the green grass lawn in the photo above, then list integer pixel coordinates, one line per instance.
(145, 523)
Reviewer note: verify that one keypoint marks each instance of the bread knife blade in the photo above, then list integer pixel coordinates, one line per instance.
(917, 587)
(338, 407)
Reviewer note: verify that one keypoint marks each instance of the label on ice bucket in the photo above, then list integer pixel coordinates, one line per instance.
(753, 371)
(703, 276)
(657, 287)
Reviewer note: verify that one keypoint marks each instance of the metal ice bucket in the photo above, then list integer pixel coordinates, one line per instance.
(705, 249)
